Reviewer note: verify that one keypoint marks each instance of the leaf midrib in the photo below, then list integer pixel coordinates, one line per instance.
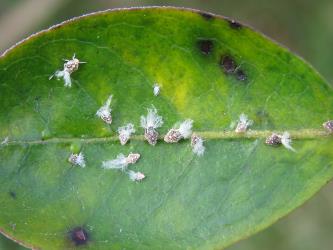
(206, 135)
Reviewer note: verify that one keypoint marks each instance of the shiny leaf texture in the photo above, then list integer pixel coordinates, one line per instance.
(210, 69)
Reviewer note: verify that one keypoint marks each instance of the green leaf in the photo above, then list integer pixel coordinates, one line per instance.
(210, 70)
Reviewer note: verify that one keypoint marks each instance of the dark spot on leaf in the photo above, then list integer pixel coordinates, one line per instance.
(235, 25)
(240, 75)
(206, 15)
(231, 68)
(12, 194)
(79, 236)
(228, 64)
(205, 46)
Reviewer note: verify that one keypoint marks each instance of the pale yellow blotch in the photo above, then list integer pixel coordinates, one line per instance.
(180, 96)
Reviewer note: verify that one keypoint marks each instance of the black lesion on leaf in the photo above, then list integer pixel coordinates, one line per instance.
(235, 25)
(240, 75)
(79, 236)
(206, 15)
(228, 64)
(205, 46)
(12, 194)
(230, 67)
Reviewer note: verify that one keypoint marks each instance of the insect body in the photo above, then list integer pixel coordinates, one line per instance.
(77, 160)
(125, 133)
(197, 145)
(150, 123)
(284, 139)
(243, 124)
(70, 66)
(328, 126)
(156, 89)
(121, 162)
(178, 132)
(135, 176)
(132, 158)
(104, 112)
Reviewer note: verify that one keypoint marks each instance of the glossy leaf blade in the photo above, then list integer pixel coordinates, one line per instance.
(210, 70)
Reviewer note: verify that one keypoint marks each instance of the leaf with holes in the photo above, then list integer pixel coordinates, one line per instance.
(188, 65)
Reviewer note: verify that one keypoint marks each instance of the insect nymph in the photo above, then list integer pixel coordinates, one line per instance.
(197, 145)
(136, 176)
(328, 126)
(121, 162)
(179, 131)
(77, 160)
(243, 124)
(150, 123)
(70, 66)
(125, 133)
(156, 89)
(104, 112)
(277, 139)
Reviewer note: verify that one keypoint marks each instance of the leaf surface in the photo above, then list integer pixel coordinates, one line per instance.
(211, 70)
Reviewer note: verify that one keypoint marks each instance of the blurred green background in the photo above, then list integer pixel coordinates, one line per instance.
(304, 26)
